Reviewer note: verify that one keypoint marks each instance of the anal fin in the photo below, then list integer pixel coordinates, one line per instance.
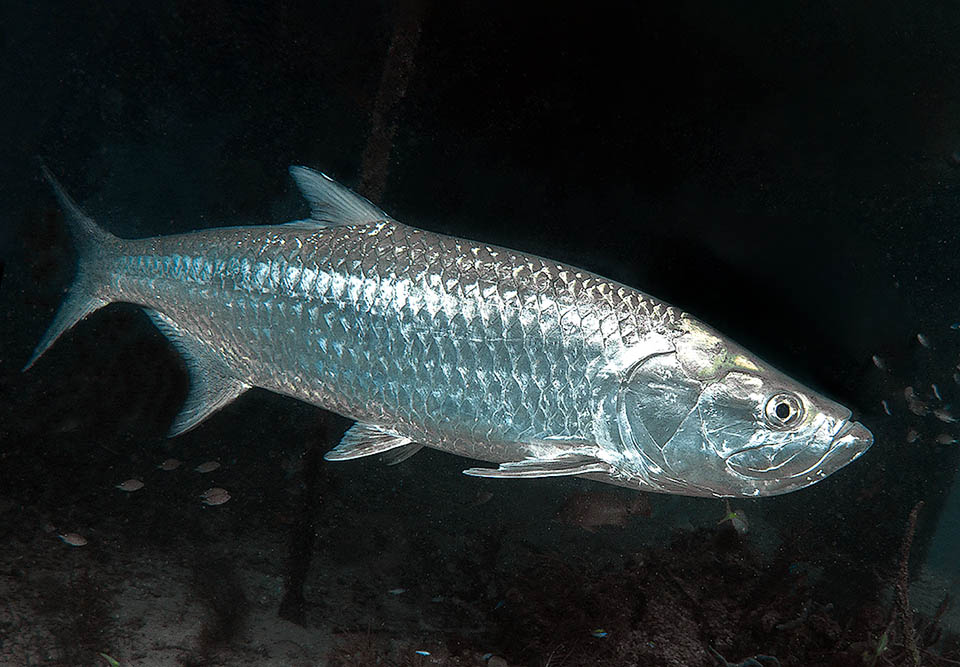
(211, 387)
(401, 454)
(561, 466)
(366, 440)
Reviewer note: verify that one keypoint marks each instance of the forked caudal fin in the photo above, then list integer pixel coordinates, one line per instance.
(93, 244)
(211, 387)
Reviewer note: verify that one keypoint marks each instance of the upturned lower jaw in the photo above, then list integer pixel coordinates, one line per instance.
(850, 441)
(853, 439)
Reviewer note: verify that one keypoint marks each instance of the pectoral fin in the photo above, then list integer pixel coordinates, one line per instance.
(366, 440)
(561, 466)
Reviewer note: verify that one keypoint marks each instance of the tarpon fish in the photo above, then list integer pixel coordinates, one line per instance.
(430, 340)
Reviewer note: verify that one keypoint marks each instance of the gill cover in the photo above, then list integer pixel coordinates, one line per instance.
(659, 399)
(655, 398)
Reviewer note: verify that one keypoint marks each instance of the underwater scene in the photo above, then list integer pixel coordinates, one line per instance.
(480, 334)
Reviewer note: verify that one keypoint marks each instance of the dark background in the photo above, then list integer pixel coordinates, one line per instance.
(787, 172)
(775, 170)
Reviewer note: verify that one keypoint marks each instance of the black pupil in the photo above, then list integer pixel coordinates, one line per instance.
(782, 410)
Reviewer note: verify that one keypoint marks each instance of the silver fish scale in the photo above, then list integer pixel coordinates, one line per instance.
(442, 340)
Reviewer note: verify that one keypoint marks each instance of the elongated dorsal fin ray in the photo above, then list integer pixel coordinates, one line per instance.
(561, 466)
(366, 440)
(331, 204)
(211, 388)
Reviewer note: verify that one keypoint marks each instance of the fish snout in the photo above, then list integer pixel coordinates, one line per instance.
(815, 459)
(852, 440)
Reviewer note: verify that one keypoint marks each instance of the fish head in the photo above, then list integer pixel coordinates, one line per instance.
(705, 418)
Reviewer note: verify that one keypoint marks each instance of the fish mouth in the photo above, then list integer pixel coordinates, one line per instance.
(850, 442)
(813, 462)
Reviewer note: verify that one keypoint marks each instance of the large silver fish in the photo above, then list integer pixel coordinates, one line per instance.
(430, 340)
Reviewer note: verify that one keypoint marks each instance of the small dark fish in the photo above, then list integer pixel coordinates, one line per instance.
(73, 539)
(737, 519)
(130, 485)
(944, 415)
(209, 466)
(592, 509)
(915, 405)
(215, 496)
(483, 497)
(169, 464)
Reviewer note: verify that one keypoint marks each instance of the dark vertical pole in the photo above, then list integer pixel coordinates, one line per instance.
(303, 534)
(397, 70)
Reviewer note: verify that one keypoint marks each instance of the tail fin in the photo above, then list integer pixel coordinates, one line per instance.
(93, 245)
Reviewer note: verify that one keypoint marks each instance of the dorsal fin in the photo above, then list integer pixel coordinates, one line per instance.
(331, 204)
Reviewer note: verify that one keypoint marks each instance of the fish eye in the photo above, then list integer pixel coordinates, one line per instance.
(783, 410)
